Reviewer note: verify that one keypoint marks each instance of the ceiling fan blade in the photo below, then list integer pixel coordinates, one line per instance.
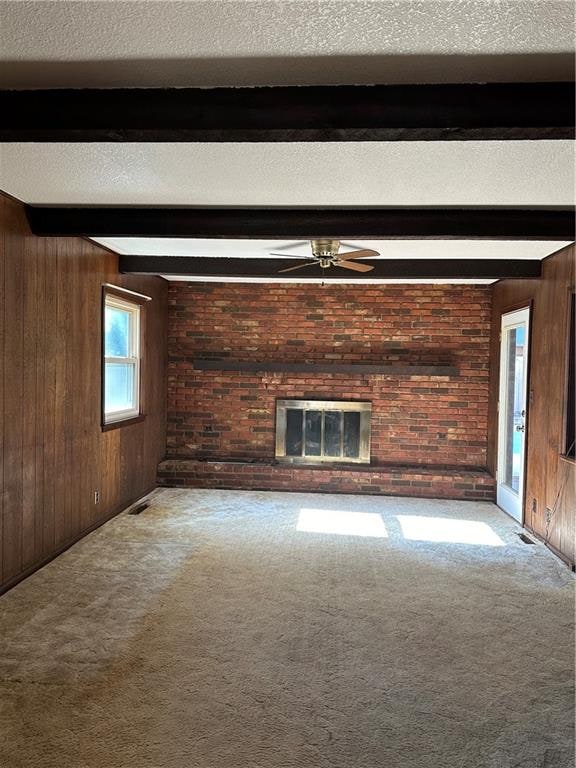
(366, 253)
(292, 244)
(298, 266)
(356, 267)
(286, 255)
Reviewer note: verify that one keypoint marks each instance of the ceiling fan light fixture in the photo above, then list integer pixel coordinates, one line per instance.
(324, 248)
(325, 254)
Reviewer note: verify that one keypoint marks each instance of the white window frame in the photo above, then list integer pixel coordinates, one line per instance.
(134, 358)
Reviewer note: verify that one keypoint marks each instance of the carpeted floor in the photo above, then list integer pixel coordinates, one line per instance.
(223, 629)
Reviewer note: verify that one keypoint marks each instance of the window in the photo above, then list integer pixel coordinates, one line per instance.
(121, 399)
(323, 431)
(570, 437)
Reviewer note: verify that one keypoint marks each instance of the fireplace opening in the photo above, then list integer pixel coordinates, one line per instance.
(323, 431)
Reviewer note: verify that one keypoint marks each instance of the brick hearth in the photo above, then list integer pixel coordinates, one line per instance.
(448, 483)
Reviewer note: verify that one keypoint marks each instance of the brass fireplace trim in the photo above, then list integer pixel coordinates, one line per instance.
(362, 407)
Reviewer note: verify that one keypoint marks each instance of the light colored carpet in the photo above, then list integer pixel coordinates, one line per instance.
(223, 629)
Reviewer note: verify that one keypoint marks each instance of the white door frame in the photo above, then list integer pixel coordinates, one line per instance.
(508, 499)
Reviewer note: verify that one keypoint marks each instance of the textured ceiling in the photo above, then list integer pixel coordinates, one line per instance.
(160, 43)
(525, 173)
(283, 42)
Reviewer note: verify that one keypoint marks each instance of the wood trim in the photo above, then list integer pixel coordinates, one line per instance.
(102, 353)
(515, 306)
(125, 293)
(107, 427)
(306, 223)
(438, 112)
(568, 352)
(530, 307)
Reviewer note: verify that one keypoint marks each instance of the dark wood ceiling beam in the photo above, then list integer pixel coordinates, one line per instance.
(411, 269)
(307, 223)
(457, 112)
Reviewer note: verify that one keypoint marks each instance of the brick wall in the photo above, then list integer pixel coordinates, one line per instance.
(416, 420)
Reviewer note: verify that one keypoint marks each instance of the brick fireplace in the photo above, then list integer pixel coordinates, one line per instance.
(417, 353)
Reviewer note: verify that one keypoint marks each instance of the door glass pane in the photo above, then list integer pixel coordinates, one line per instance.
(117, 332)
(294, 432)
(313, 433)
(332, 433)
(119, 387)
(351, 434)
(516, 365)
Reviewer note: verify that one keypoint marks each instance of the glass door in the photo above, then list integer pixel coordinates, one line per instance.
(512, 412)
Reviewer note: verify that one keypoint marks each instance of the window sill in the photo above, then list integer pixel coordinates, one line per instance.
(122, 423)
(568, 459)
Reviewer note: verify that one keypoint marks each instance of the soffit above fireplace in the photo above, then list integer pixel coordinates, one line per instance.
(401, 261)
(389, 249)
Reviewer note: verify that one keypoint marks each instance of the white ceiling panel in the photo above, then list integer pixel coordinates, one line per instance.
(469, 173)
(389, 249)
(83, 43)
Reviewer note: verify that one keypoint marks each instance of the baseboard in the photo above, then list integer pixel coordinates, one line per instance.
(40, 564)
(560, 555)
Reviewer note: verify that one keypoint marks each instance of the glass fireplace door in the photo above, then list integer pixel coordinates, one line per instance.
(323, 431)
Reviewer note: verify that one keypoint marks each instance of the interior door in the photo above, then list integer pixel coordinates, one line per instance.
(512, 412)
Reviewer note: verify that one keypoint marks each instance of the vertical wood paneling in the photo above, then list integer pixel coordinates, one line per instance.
(41, 395)
(30, 298)
(50, 346)
(76, 384)
(61, 394)
(550, 480)
(2, 371)
(84, 412)
(53, 453)
(13, 301)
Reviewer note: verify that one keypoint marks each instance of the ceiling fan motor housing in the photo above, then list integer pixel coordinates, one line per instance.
(325, 249)
(325, 253)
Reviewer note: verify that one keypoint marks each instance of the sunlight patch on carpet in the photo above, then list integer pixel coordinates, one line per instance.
(341, 522)
(449, 530)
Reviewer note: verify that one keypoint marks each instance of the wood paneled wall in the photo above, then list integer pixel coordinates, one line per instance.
(53, 453)
(550, 501)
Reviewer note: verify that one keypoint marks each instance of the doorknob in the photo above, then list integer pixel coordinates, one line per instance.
(520, 428)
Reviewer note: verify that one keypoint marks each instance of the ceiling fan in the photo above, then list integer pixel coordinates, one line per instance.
(325, 253)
